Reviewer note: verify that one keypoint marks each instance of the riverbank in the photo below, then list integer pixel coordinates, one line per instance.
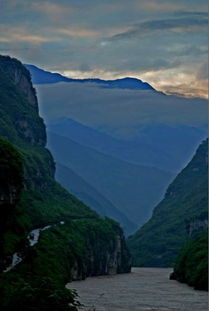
(145, 289)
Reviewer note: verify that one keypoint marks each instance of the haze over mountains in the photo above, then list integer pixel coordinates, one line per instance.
(133, 189)
(121, 138)
(149, 148)
(91, 196)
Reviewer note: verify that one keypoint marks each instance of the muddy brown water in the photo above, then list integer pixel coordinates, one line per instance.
(145, 289)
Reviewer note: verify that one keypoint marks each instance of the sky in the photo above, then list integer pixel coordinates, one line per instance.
(163, 42)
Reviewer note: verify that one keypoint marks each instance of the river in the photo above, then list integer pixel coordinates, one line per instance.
(145, 289)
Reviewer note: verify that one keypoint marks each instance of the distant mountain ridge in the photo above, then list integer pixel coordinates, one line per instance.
(40, 76)
(149, 149)
(134, 152)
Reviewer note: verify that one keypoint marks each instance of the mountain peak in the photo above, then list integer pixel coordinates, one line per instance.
(130, 83)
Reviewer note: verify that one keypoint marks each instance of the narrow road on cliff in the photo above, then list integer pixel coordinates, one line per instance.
(145, 289)
(33, 238)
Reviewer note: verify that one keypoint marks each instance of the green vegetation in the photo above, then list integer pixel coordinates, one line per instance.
(11, 183)
(159, 241)
(63, 252)
(191, 266)
(11, 172)
(37, 294)
(83, 246)
(43, 201)
(11, 164)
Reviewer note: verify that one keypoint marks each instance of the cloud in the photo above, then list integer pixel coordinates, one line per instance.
(191, 13)
(184, 24)
(52, 10)
(170, 81)
(24, 37)
(159, 6)
(106, 38)
(197, 90)
(13, 49)
(202, 72)
(23, 34)
(49, 7)
(78, 33)
(178, 81)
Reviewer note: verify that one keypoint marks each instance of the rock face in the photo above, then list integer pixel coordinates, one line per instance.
(20, 77)
(21, 123)
(21, 104)
(197, 225)
(112, 261)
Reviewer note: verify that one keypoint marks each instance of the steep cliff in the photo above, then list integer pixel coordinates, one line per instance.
(42, 201)
(181, 213)
(87, 248)
(83, 245)
(191, 265)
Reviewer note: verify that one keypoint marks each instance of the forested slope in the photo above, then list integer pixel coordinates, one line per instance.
(183, 210)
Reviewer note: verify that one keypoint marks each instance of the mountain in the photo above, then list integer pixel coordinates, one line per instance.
(40, 76)
(74, 241)
(76, 185)
(162, 146)
(132, 189)
(182, 211)
(146, 128)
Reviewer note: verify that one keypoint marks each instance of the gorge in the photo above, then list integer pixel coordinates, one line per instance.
(49, 238)
(84, 245)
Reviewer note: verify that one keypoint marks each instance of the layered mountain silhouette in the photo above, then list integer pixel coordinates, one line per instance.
(132, 188)
(40, 76)
(92, 197)
(121, 139)
(161, 146)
